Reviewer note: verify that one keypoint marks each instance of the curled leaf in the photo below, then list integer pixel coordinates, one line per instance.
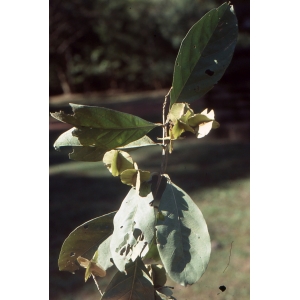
(137, 179)
(117, 161)
(91, 266)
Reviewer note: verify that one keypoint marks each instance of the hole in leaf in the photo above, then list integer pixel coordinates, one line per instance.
(209, 72)
(122, 251)
(222, 288)
(194, 46)
(72, 254)
(86, 226)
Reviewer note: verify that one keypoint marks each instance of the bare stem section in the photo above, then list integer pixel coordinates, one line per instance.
(164, 143)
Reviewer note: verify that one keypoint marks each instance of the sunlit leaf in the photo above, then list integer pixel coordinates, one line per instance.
(117, 161)
(133, 228)
(134, 285)
(182, 237)
(138, 179)
(102, 127)
(84, 241)
(204, 54)
(92, 267)
(178, 110)
(104, 254)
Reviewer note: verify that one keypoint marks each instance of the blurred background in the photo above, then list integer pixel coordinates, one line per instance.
(120, 55)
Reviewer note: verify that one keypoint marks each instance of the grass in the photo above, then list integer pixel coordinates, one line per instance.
(216, 176)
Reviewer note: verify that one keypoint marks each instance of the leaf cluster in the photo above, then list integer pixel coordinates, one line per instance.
(158, 229)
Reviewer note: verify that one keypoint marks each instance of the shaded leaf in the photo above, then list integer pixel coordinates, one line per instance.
(165, 293)
(84, 241)
(133, 228)
(102, 127)
(136, 285)
(204, 54)
(182, 237)
(92, 153)
(145, 141)
(158, 274)
(152, 256)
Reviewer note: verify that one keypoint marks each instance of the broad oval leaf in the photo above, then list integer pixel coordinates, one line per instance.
(136, 284)
(204, 54)
(103, 127)
(133, 228)
(182, 237)
(84, 241)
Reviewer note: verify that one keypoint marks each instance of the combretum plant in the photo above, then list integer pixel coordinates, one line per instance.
(158, 229)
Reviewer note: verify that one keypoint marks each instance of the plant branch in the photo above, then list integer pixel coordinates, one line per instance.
(97, 284)
(165, 143)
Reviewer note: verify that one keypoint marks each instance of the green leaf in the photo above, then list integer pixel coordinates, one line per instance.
(134, 285)
(92, 154)
(145, 141)
(117, 161)
(84, 241)
(182, 237)
(133, 229)
(204, 54)
(102, 127)
(138, 179)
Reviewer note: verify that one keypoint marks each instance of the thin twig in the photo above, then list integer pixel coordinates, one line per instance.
(97, 284)
(229, 258)
(164, 156)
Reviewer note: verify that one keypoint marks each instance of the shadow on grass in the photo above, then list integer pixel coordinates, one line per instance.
(75, 198)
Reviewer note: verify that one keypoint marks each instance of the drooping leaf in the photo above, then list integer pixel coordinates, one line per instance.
(102, 127)
(84, 241)
(92, 153)
(204, 54)
(133, 228)
(117, 161)
(134, 285)
(182, 237)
